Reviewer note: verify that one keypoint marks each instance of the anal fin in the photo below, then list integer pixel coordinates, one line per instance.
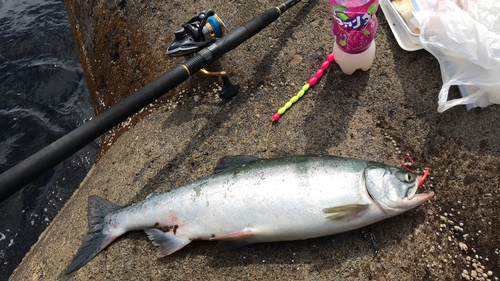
(234, 240)
(240, 235)
(166, 243)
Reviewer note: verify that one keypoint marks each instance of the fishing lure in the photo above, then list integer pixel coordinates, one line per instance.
(311, 82)
(306, 87)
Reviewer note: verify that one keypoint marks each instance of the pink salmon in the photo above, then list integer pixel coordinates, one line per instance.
(249, 200)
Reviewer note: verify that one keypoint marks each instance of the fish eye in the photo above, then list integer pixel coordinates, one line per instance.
(405, 176)
(409, 177)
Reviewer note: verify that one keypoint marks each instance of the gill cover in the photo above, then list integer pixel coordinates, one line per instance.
(391, 187)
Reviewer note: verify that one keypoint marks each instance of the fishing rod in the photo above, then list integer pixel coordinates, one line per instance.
(209, 50)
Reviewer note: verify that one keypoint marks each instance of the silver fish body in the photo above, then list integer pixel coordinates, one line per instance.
(253, 200)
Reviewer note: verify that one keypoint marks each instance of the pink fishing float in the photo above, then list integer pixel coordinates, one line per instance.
(302, 91)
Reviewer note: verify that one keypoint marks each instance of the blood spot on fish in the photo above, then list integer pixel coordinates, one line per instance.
(113, 222)
(175, 229)
(207, 203)
(172, 216)
(165, 229)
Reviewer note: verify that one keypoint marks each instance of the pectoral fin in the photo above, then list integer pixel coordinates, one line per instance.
(346, 212)
(166, 243)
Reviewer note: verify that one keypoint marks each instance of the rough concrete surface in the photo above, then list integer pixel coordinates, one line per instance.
(382, 115)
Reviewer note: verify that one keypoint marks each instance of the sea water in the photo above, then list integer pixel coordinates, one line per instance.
(43, 96)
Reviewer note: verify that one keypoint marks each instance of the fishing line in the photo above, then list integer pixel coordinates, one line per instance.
(295, 98)
(301, 93)
(267, 139)
(275, 118)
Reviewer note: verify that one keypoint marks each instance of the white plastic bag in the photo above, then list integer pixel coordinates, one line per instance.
(464, 35)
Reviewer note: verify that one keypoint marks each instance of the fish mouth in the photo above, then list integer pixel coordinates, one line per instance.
(415, 199)
(412, 192)
(420, 198)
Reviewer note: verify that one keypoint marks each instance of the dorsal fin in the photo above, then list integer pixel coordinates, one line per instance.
(229, 162)
(152, 194)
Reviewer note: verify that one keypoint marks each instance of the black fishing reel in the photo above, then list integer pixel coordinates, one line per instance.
(197, 34)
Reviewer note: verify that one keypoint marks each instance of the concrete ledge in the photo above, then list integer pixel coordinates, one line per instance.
(380, 115)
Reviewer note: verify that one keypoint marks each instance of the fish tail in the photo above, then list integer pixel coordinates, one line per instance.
(95, 240)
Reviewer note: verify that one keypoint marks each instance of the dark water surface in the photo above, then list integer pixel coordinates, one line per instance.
(43, 96)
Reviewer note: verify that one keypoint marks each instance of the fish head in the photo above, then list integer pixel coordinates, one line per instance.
(394, 189)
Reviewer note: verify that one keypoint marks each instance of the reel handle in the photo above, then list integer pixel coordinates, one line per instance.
(229, 89)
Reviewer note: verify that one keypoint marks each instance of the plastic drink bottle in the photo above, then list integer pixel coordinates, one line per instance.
(354, 27)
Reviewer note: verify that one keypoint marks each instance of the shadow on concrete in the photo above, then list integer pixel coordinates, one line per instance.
(336, 103)
(218, 119)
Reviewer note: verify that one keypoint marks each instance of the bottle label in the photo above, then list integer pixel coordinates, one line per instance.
(354, 28)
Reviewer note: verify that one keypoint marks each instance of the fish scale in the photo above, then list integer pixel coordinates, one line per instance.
(249, 200)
